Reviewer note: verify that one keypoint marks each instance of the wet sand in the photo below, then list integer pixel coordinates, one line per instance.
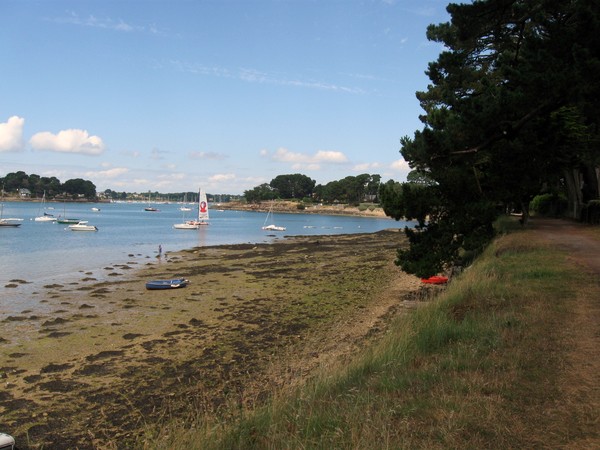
(110, 356)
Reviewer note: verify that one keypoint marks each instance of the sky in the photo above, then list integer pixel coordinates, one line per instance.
(173, 95)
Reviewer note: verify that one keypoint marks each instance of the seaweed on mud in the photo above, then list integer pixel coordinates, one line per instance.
(61, 385)
(104, 354)
(53, 368)
(15, 319)
(57, 321)
(57, 334)
(130, 336)
(197, 322)
(32, 378)
(94, 369)
(149, 345)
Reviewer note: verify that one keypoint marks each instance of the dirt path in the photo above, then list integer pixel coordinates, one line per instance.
(576, 239)
(581, 381)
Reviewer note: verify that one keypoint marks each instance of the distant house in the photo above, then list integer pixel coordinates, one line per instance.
(24, 193)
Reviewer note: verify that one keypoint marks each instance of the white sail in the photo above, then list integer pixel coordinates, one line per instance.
(202, 214)
(202, 206)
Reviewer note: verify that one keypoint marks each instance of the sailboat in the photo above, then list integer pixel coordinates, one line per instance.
(271, 227)
(184, 206)
(185, 225)
(8, 222)
(45, 217)
(202, 210)
(150, 208)
(64, 219)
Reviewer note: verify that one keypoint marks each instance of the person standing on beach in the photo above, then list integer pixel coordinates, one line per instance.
(159, 250)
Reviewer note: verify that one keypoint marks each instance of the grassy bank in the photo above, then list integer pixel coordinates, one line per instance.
(487, 363)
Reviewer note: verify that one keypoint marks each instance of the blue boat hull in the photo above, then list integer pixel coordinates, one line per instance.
(167, 284)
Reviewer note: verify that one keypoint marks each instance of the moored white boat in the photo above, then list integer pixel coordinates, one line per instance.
(184, 206)
(185, 226)
(9, 221)
(82, 226)
(45, 217)
(271, 227)
(202, 215)
(63, 219)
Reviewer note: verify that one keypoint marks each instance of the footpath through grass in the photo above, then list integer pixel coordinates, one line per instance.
(484, 365)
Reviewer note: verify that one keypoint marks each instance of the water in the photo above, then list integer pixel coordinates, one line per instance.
(45, 252)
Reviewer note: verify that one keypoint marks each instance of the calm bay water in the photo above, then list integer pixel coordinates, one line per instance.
(45, 252)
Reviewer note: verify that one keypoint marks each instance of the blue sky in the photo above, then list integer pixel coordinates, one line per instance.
(221, 94)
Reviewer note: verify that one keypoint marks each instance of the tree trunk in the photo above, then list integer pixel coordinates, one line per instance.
(524, 213)
(574, 194)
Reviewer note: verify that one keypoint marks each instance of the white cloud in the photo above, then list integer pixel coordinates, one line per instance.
(398, 170)
(305, 161)
(68, 141)
(131, 153)
(400, 165)
(366, 167)
(107, 174)
(222, 177)
(102, 22)
(213, 156)
(250, 75)
(11, 134)
(330, 157)
(157, 154)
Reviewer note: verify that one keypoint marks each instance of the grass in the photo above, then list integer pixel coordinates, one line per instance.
(479, 366)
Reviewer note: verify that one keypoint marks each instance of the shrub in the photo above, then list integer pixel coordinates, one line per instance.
(591, 212)
(548, 205)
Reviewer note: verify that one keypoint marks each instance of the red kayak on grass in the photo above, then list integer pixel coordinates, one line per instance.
(436, 279)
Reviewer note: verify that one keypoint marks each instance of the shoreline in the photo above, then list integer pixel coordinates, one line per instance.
(280, 206)
(248, 311)
(292, 208)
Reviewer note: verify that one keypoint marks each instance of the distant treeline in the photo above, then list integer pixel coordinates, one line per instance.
(349, 190)
(35, 186)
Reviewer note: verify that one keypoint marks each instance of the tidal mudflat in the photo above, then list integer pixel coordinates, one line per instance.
(109, 357)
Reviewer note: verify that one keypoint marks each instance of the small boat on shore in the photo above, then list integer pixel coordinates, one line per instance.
(7, 442)
(167, 284)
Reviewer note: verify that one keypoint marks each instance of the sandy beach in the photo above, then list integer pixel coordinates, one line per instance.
(110, 357)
